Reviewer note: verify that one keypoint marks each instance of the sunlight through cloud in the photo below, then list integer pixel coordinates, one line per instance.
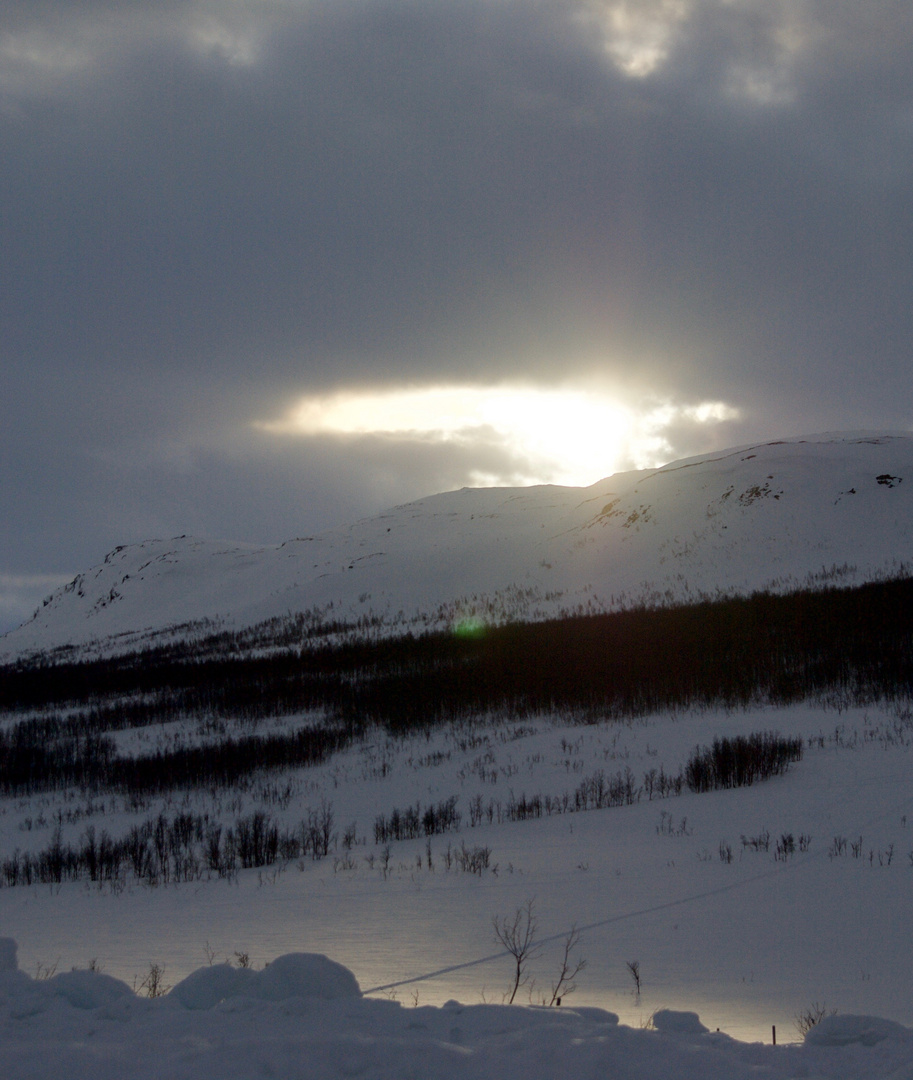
(638, 35)
(766, 75)
(563, 435)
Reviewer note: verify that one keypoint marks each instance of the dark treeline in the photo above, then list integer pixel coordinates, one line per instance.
(27, 767)
(160, 850)
(189, 847)
(740, 761)
(853, 644)
(413, 821)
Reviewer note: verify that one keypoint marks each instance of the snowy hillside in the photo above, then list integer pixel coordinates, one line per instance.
(828, 508)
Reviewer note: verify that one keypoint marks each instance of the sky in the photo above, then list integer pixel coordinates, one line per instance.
(269, 266)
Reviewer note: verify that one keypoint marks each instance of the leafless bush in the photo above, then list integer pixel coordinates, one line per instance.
(153, 985)
(569, 970)
(806, 1020)
(517, 933)
(474, 860)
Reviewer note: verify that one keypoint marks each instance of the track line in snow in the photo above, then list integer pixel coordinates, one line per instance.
(668, 905)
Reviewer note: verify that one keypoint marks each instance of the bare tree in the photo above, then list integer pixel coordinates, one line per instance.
(634, 968)
(569, 969)
(517, 933)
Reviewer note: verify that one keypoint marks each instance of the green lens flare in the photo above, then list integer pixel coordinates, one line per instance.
(470, 627)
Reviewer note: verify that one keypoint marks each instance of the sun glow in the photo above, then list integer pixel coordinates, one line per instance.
(562, 435)
(638, 34)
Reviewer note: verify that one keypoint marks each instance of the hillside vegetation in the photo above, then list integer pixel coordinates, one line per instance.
(849, 646)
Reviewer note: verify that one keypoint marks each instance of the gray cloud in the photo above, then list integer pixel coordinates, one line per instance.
(212, 208)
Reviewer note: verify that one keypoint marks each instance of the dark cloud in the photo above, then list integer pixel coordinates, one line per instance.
(210, 209)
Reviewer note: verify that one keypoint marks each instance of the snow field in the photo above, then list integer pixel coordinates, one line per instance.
(748, 943)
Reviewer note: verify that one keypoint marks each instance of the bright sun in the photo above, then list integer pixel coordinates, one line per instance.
(561, 435)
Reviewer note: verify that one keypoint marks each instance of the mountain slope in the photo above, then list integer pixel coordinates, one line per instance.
(815, 509)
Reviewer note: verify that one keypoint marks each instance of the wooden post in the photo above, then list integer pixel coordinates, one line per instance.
(774, 1033)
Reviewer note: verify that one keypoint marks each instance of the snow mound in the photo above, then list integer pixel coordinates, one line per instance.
(206, 987)
(84, 1025)
(8, 960)
(296, 975)
(864, 1030)
(26, 997)
(88, 989)
(309, 975)
(15, 986)
(678, 1023)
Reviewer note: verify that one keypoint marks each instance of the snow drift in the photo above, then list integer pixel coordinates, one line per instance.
(304, 1017)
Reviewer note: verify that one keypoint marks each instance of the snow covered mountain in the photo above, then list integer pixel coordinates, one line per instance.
(812, 510)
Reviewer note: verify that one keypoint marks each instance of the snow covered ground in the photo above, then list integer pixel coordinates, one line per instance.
(304, 1017)
(692, 888)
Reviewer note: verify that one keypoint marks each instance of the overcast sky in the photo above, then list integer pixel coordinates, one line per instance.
(268, 266)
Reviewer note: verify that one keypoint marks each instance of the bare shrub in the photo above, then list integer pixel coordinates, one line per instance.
(153, 985)
(569, 970)
(804, 1021)
(474, 860)
(517, 934)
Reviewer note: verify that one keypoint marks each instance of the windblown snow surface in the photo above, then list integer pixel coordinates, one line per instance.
(742, 910)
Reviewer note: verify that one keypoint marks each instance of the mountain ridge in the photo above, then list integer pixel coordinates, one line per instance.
(776, 515)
